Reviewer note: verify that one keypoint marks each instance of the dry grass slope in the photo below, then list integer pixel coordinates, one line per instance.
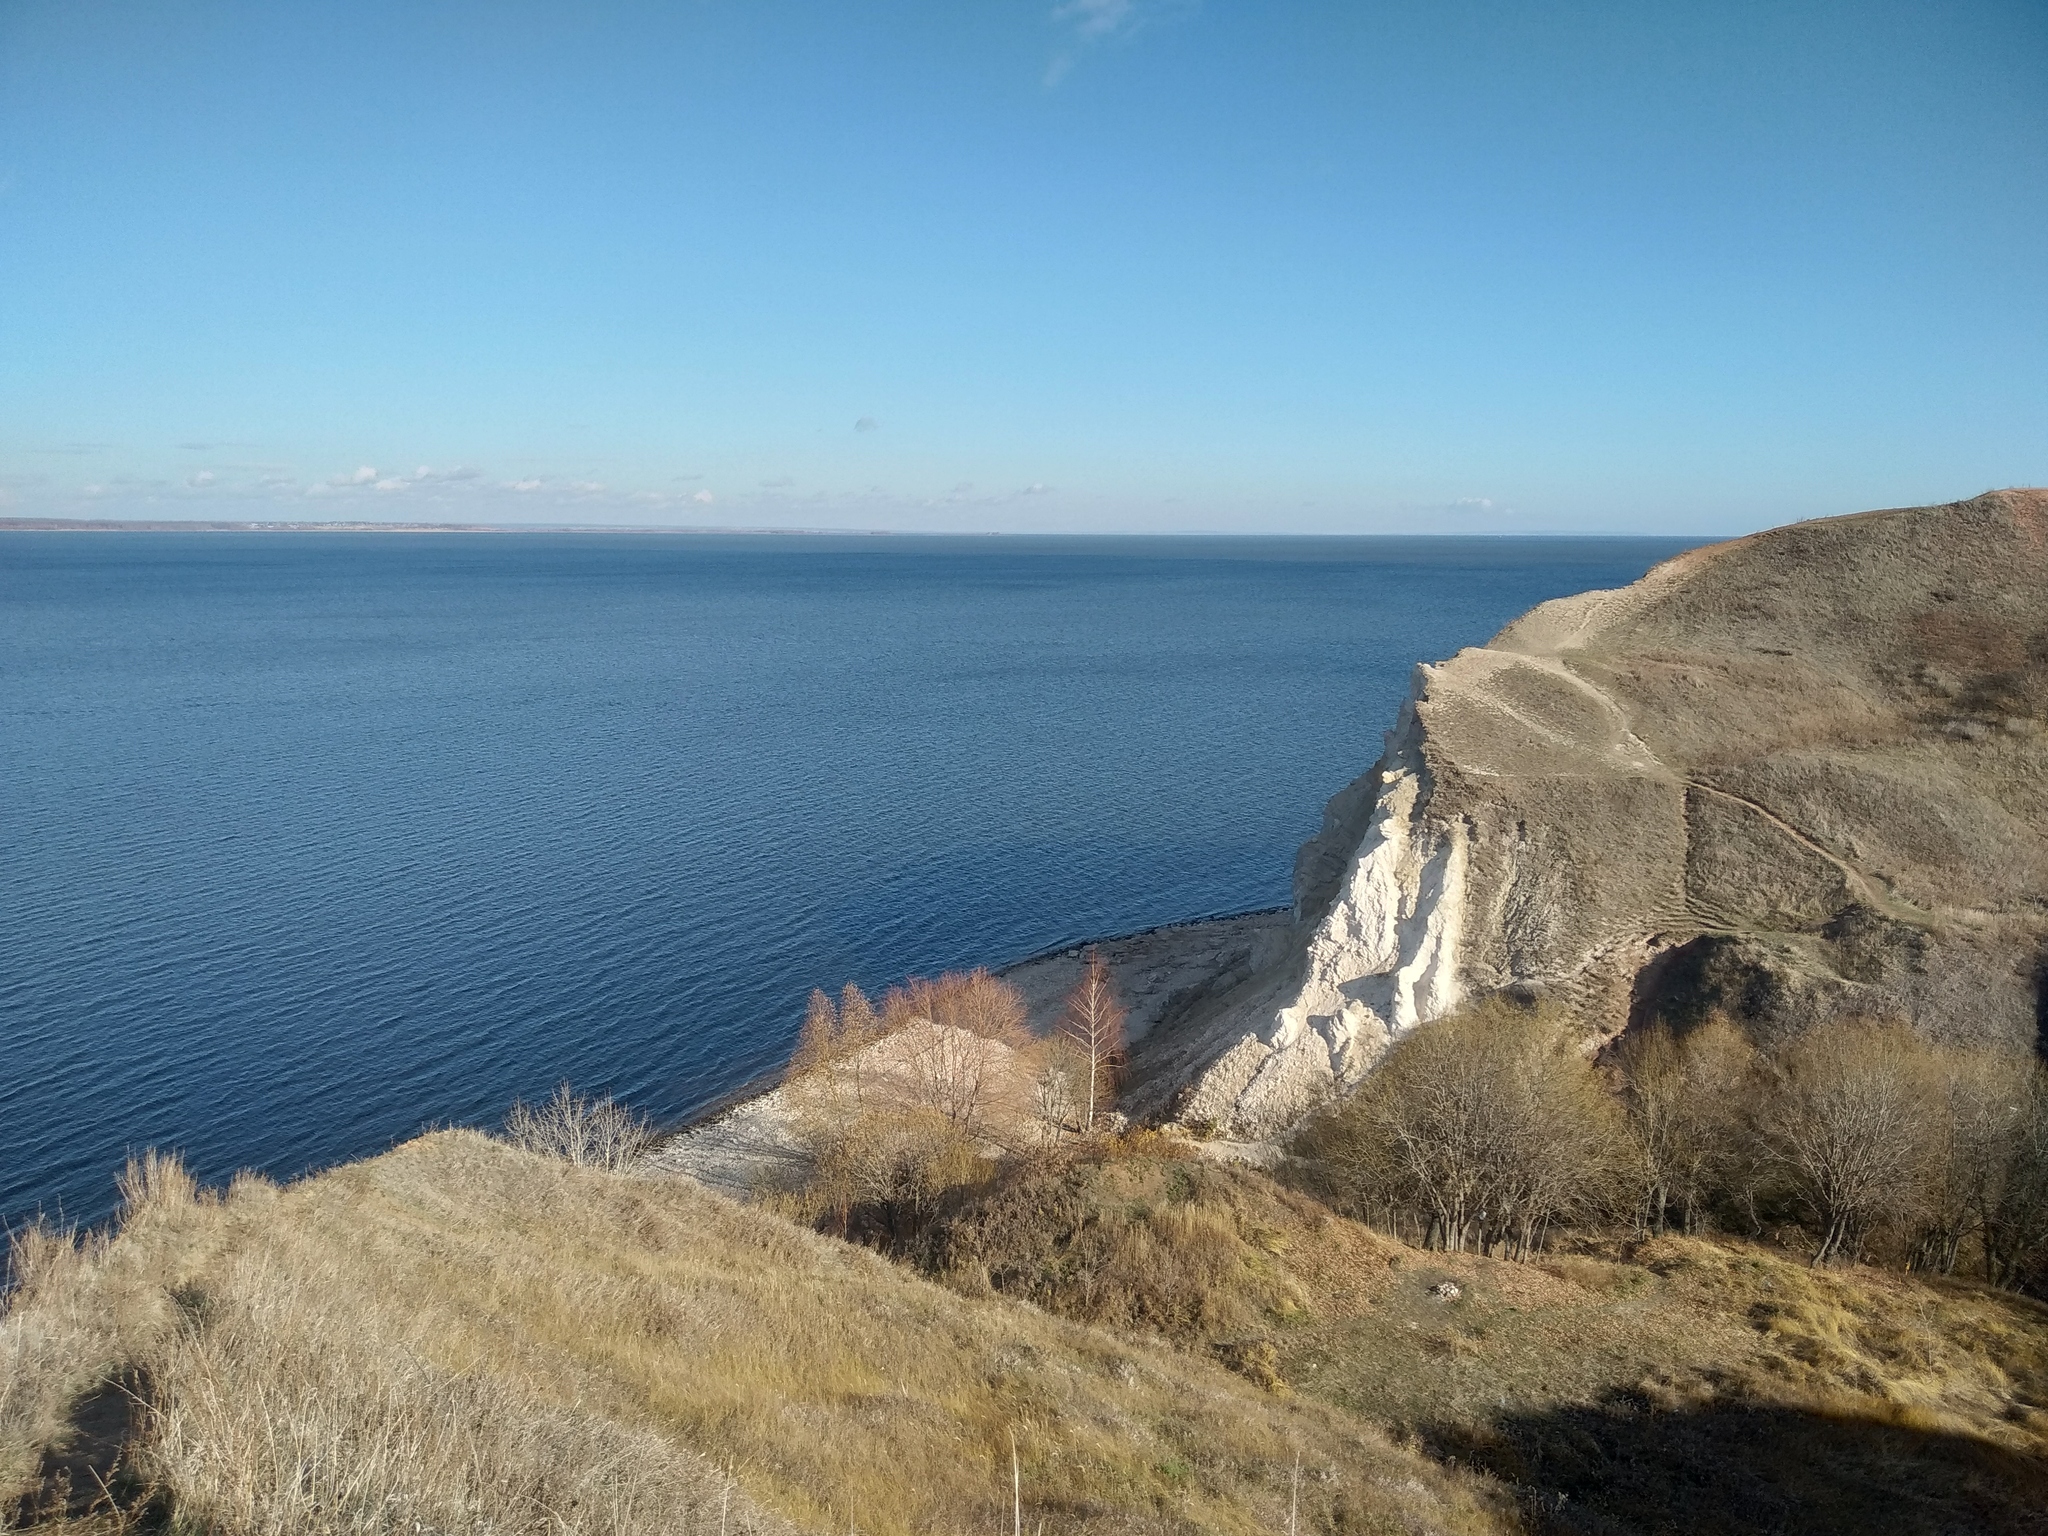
(1674, 1384)
(459, 1336)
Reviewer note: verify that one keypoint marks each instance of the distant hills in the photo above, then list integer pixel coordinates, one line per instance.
(182, 525)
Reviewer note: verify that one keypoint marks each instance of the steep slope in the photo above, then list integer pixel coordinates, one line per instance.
(1674, 1384)
(1794, 775)
(461, 1336)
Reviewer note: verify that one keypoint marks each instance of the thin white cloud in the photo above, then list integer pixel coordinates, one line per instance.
(702, 498)
(1091, 19)
(201, 480)
(1089, 23)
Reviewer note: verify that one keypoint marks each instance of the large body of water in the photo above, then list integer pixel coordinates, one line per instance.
(307, 841)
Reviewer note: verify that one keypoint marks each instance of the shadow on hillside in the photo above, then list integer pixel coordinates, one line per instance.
(85, 1482)
(1624, 1467)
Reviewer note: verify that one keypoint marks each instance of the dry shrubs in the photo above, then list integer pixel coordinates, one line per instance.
(950, 1048)
(878, 1174)
(1849, 1130)
(1879, 1142)
(1482, 1129)
(899, 1105)
(1489, 1128)
(1684, 1099)
(1151, 1244)
(1988, 1182)
(591, 1133)
(461, 1337)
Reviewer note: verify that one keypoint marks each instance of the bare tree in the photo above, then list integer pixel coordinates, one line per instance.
(1685, 1097)
(1486, 1127)
(1093, 1026)
(1849, 1127)
(2013, 1211)
(961, 1038)
(1978, 1102)
(597, 1133)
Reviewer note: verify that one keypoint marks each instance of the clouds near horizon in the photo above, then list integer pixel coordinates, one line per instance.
(1057, 264)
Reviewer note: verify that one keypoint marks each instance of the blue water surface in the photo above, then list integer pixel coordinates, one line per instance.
(310, 840)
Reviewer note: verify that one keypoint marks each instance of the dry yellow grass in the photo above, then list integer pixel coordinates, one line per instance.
(86, 1306)
(461, 1336)
(1676, 1384)
(1931, 1353)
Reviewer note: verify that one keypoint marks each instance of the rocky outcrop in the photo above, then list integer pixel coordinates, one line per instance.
(1793, 775)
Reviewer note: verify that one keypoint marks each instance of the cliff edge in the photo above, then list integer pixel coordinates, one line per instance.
(1794, 775)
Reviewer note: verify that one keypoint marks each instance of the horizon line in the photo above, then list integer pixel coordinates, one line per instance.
(351, 525)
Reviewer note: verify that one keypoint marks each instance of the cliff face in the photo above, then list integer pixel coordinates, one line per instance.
(1799, 774)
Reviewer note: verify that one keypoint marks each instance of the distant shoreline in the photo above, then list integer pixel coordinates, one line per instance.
(180, 525)
(672, 530)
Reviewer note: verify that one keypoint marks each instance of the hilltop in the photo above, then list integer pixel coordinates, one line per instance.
(1791, 777)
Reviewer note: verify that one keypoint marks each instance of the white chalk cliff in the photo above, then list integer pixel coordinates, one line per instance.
(1795, 774)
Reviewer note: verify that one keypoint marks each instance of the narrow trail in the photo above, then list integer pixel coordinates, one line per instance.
(1867, 888)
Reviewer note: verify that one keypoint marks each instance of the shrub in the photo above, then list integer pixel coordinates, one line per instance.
(1850, 1128)
(2014, 1211)
(593, 1133)
(1685, 1096)
(879, 1174)
(1483, 1128)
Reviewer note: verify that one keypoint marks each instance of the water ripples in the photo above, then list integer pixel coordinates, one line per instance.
(311, 841)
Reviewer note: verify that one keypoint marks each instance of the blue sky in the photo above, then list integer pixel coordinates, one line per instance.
(1173, 265)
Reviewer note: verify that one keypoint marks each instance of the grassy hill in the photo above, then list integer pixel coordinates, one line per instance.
(459, 1336)
(463, 1337)
(1674, 1384)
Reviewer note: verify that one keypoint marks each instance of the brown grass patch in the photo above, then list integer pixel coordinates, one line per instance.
(465, 1336)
